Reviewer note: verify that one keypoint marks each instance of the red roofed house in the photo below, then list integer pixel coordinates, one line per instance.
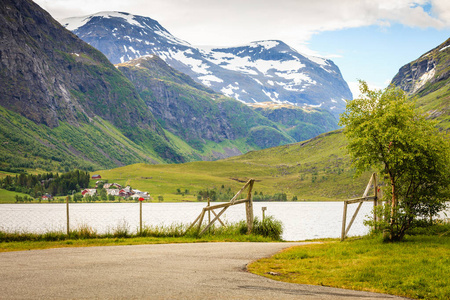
(90, 192)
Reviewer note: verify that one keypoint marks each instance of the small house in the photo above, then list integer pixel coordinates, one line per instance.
(116, 185)
(96, 177)
(113, 192)
(47, 197)
(90, 192)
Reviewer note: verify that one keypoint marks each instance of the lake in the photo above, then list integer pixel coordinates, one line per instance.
(301, 220)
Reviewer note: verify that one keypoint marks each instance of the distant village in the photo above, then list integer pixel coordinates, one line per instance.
(116, 190)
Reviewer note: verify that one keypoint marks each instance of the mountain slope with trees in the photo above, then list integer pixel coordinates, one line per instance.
(68, 88)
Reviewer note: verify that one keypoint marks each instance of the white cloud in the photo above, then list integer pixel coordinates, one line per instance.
(231, 22)
(354, 87)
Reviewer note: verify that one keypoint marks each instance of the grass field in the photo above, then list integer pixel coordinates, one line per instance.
(9, 197)
(416, 268)
(315, 170)
(318, 169)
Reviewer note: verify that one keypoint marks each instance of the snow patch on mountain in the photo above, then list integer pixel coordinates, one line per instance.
(77, 22)
(207, 79)
(424, 79)
(256, 72)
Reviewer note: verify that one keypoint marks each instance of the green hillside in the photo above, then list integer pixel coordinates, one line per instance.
(98, 144)
(301, 123)
(317, 169)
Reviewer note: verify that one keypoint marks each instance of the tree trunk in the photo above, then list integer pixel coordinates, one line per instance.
(394, 204)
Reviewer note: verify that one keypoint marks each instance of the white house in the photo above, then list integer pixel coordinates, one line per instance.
(114, 192)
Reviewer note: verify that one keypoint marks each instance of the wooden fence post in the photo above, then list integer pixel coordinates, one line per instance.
(209, 212)
(344, 221)
(67, 212)
(234, 201)
(140, 217)
(365, 197)
(249, 207)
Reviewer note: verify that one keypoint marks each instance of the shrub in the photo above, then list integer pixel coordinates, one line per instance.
(269, 227)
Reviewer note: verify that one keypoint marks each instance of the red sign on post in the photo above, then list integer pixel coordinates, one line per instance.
(141, 199)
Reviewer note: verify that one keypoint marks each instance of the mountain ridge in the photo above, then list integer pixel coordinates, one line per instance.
(421, 75)
(64, 105)
(427, 79)
(258, 72)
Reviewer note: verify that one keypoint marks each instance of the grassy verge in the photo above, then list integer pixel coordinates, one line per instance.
(416, 268)
(36, 245)
(10, 197)
(268, 230)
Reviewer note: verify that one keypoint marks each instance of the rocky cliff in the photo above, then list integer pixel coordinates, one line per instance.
(427, 73)
(427, 79)
(194, 112)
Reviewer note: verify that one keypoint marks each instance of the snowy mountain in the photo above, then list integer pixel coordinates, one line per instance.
(259, 72)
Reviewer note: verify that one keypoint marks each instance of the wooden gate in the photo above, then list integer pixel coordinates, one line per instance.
(364, 198)
(224, 206)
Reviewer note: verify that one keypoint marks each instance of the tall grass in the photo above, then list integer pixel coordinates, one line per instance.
(268, 228)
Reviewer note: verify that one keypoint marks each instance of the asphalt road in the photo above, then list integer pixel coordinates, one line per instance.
(166, 271)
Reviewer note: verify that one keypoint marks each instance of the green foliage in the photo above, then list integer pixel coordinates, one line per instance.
(385, 131)
(38, 185)
(268, 227)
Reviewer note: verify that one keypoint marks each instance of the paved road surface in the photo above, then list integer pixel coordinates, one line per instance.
(167, 271)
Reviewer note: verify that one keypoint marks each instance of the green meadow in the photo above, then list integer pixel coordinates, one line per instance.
(317, 169)
(415, 268)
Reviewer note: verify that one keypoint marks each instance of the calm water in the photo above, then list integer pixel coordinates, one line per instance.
(301, 220)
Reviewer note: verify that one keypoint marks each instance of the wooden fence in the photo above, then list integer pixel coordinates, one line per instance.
(224, 206)
(364, 198)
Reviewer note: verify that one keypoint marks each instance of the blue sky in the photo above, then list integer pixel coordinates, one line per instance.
(367, 39)
(375, 53)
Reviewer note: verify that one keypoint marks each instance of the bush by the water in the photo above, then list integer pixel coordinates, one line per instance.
(268, 227)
